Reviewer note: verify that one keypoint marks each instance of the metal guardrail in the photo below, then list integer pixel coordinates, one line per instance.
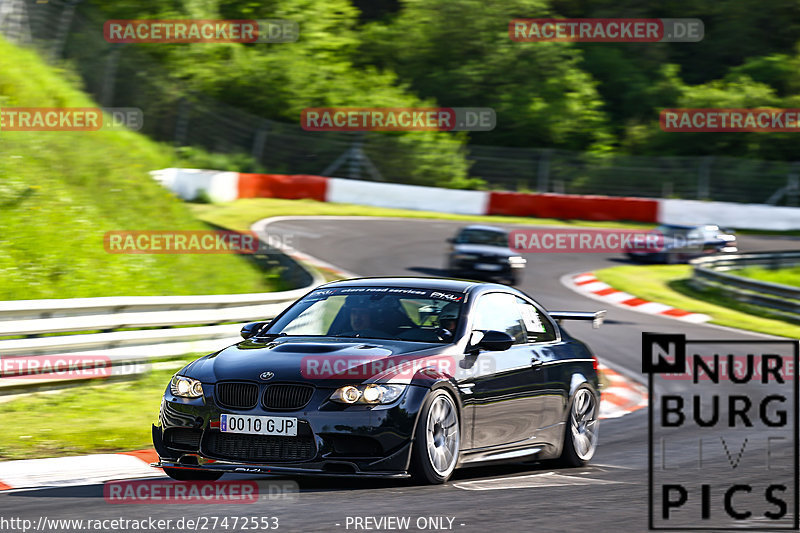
(173, 325)
(780, 300)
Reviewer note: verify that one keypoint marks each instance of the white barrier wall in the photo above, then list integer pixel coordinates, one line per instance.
(188, 183)
(407, 196)
(729, 215)
(224, 187)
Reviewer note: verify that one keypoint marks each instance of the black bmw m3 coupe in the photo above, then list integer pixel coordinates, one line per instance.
(386, 377)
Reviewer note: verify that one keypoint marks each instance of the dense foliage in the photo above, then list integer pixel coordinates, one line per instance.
(599, 97)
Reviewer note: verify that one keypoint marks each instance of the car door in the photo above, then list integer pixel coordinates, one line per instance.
(505, 385)
(551, 387)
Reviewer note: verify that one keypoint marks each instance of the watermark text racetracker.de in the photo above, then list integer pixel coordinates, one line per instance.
(67, 366)
(399, 369)
(70, 118)
(586, 240)
(201, 31)
(606, 30)
(730, 120)
(193, 242)
(398, 119)
(168, 492)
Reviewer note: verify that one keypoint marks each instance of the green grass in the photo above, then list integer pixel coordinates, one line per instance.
(62, 191)
(783, 276)
(94, 418)
(238, 215)
(667, 284)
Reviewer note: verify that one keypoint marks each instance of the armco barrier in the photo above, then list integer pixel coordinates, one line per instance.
(565, 206)
(214, 322)
(782, 300)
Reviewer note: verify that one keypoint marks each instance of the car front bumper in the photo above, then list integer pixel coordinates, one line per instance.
(332, 439)
(486, 269)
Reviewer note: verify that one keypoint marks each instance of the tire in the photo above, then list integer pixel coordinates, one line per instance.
(185, 474)
(437, 440)
(580, 433)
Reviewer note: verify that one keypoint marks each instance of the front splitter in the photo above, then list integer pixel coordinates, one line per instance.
(244, 468)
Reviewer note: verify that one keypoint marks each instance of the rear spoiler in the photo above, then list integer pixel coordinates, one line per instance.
(596, 317)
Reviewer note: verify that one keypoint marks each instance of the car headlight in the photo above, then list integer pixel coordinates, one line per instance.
(185, 387)
(465, 257)
(374, 393)
(516, 260)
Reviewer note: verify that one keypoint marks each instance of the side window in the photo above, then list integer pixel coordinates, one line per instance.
(537, 326)
(497, 311)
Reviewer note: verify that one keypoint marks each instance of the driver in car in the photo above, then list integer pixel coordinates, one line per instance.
(361, 322)
(448, 318)
(360, 319)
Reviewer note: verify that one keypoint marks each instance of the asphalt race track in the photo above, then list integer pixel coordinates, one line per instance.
(609, 495)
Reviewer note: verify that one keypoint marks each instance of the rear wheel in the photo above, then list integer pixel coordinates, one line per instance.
(185, 474)
(437, 440)
(580, 435)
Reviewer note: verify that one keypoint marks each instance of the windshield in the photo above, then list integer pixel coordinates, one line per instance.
(482, 236)
(672, 231)
(420, 315)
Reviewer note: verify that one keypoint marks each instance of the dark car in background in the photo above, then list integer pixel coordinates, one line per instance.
(386, 377)
(483, 252)
(681, 243)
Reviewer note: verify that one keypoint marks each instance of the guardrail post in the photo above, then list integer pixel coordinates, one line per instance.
(543, 171)
(793, 185)
(704, 179)
(260, 140)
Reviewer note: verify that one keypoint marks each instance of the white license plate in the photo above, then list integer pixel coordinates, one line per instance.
(484, 266)
(258, 425)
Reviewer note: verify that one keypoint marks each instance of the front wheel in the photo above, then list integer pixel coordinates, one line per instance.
(437, 440)
(580, 435)
(186, 474)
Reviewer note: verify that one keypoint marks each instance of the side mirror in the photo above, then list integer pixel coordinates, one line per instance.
(493, 341)
(248, 330)
(451, 240)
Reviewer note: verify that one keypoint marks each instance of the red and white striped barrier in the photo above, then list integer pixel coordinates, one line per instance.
(228, 186)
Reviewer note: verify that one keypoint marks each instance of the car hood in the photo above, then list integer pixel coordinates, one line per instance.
(322, 361)
(484, 249)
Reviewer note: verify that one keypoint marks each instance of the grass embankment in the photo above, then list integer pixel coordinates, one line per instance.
(783, 276)
(61, 191)
(668, 284)
(103, 416)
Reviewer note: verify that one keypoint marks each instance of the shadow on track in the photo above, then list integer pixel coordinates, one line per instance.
(312, 484)
(430, 271)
